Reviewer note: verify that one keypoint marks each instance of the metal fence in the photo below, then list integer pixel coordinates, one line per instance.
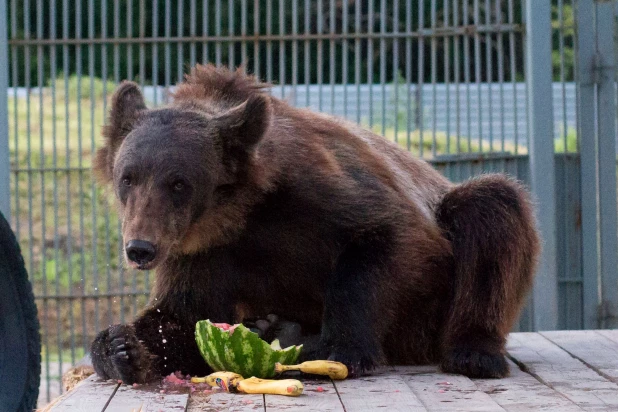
(470, 85)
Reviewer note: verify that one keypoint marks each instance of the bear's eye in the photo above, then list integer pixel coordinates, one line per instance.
(126, 181)
(179, 186)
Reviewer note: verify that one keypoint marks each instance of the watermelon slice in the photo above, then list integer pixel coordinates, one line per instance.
(236, 349)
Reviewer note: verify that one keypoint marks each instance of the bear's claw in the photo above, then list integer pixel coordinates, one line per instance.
(128, 356)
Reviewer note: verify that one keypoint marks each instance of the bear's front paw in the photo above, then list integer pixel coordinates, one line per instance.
(475, 363)
(357, 362)
(124, 356)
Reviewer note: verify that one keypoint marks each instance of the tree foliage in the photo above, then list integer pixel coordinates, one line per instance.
(161, 59)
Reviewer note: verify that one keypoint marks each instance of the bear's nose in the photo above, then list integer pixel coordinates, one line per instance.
(140, 251)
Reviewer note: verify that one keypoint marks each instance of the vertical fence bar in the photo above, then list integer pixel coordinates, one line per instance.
(408, 63)
(282, 81)
(344, 57)
(467, 75)
(106, 211)
(457, 81)
(27, 66)
(370, 24)
(295, 52)
(192, 31)
(420, 57)
(69, 249)
(5, 179)
(256, 42)
(56, 260)
(179, 45)
(477, 75)
(15, 82)
(501, 75)
(446, 79)
(243, 32)
(129, 34)
(269, 44)
(167, 52)
(606, 120)
(81, 168)
(307, 55)
(598, 164)
(382, 67)
(434, 76)
(511, 16)
(396, 73)
(205, 17)
(93, 189)
(588, 156)
(45, 344)
(331, 50)
(357, 59)
(320, 52)
(540, 111)
(231, 63)
(489, 77)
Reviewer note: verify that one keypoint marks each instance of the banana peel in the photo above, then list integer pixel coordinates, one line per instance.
(334, 370)
(286, 387)
(233, 383)
(224, 380)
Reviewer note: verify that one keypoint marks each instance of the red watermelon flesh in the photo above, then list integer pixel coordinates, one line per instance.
(226, 326)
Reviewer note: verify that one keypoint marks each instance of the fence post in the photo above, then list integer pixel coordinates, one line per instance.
(5, 178)
(606, 95)
(597, 110)
(541, 149)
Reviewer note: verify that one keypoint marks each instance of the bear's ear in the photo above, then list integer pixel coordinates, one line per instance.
(242, 126)
(126, 105)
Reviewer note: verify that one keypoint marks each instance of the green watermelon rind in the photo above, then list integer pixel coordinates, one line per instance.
(241, 351)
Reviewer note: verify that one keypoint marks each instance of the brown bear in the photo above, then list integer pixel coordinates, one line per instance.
(246, 206)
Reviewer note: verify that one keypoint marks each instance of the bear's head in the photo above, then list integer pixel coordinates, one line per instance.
(169, 167)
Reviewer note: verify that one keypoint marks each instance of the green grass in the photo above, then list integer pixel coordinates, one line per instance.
(567, 142)
(428, 144)
(65, 354)
(86, 88)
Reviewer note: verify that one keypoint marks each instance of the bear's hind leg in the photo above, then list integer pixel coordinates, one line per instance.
(489, 221)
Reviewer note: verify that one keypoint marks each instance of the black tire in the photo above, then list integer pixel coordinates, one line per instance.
(20, 341)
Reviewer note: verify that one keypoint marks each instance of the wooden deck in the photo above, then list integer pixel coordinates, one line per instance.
(550, 371)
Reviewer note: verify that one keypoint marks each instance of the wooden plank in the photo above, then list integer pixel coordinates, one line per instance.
(148, 398)
(611, 334)
(384, 390)
(521, 392)
(319, 395)
(593, 348)
(446, 392)
(222, 401)
(565, 374)
(415, 370)
(89, 395)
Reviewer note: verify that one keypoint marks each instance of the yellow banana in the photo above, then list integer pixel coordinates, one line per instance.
(334, 370)
(224, 380)
(287, 387)
(233, 382)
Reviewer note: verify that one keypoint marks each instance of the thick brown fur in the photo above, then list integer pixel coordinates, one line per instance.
(255, 207)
